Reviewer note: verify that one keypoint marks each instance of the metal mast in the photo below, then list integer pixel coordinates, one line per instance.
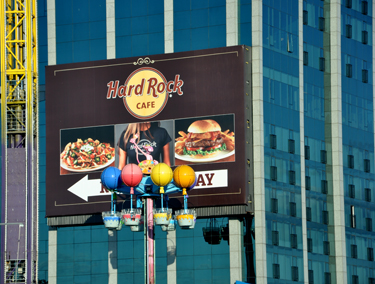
(19, 109)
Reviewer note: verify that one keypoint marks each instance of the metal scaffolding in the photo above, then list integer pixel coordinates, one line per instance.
(19, 109)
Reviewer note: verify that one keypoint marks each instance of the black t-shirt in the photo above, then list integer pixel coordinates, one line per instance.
(160, 139)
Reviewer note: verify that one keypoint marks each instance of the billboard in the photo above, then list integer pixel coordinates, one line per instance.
(188, 108)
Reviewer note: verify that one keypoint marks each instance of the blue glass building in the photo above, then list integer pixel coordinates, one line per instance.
(313, 142)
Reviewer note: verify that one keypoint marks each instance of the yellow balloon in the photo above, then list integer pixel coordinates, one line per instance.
(161, 174)
(184, 176)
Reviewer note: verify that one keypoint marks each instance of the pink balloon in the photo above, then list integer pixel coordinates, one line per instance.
(131, 175)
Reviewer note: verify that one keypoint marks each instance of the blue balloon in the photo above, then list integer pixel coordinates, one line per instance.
(111, 178)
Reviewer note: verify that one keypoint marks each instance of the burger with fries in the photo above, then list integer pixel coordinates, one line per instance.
(204, 140)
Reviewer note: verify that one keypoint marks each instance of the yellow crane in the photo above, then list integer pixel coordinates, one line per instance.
(19, 116)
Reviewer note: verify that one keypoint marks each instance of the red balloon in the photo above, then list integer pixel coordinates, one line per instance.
(131, 175)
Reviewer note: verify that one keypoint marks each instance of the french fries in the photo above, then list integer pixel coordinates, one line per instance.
(228, 139)
(180, 143)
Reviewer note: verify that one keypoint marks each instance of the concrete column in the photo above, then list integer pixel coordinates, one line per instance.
(52, 255)
(111, 30)
(302, 141)
(171, 257)
(168, 27)
(258, 141)
(335, 198)
(232, 22)
(112, 257)
(51, 31)
(235, 250)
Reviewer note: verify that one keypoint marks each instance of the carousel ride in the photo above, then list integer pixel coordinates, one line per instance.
(146, 182)
(161, 182)
(144, 190)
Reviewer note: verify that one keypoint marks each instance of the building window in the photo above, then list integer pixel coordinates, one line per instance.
(325, 217)
(309, 245)
(305, 58)
(307, 152)
(293, 209)
(305, 17)
(364, 7)
(348, 31)
(370, 254)
(349, 71)
(274, 205)
(275, 238)
(368, 194)
(364, 76)
(352, 217)
(324, 185)
(327, 277)
(364, 37)
(351, 190)
(273, 141)
(321, 23)
(352, 221)
(308, 214)
(326, 249)
(323, 156)
(322, 64)
(311, 276)
(292, 177)
(276, 270)
(348, 3)
(371, 280)
(291, 146)
(308, 182)
(273, 173)
(353, 251)
(289, 43)
(367, 165)
(355, 279)
(293, 241)
(351, 160)
(294, 273)
(369, 224)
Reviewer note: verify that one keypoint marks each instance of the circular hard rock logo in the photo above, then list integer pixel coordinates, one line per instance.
(146, 94)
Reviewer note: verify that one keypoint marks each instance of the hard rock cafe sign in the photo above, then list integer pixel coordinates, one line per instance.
(145, 92)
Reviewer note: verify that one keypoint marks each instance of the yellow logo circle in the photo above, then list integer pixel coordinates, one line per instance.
(146, 94)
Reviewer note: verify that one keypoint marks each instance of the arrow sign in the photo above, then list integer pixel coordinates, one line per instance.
(86, 187)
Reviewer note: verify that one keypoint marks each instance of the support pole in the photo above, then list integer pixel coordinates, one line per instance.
(150, 240)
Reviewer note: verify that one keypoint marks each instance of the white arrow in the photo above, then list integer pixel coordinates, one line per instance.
(85, 188)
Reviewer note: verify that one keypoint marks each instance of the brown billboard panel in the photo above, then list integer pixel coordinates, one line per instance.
(177, 101)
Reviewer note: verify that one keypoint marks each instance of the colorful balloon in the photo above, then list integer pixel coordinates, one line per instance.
(184, 176)
(131, 175)
(111, 178)
(161, 174)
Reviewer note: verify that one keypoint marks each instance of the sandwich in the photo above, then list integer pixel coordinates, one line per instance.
(204, 139)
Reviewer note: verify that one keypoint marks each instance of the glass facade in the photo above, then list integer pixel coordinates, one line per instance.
(139, 27)
(80, 31)
(358, 139)
(294, 197)
(199, 24)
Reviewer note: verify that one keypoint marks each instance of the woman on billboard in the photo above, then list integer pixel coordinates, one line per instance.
(142, 142)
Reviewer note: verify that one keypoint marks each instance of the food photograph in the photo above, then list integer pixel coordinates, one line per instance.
(86, 149)
(205, 140)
